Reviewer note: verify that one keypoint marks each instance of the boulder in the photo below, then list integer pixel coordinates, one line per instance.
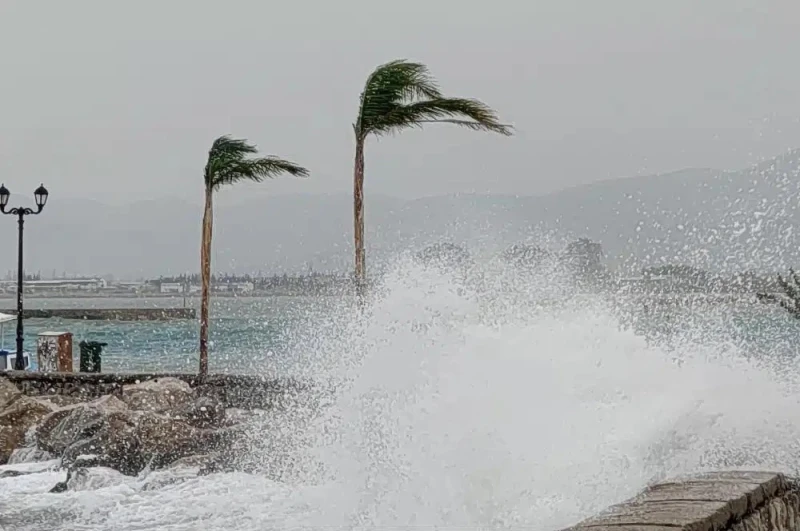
(94, 478)
(160, 395)
(25, 411)
(8, 392)
(107, 433)
(204, 412)
(11, 438)
(193, 461)
(104, 427)
(29, 454)
(63, 427)
(18, 416)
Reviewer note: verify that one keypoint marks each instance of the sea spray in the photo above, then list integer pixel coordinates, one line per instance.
(490, 398)
(459, 405)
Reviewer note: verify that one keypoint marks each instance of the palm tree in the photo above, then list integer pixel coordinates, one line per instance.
(229, 163)
(399, 95)
(789, 300)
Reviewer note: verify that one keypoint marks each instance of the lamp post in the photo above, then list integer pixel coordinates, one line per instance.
(40, 195)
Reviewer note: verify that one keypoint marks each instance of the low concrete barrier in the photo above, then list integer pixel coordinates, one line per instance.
(718, 501)
(109, 314)
(242, 391)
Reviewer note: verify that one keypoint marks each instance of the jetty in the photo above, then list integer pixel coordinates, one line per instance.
(109, 314)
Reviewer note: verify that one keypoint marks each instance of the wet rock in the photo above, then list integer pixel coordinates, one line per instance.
(11, 438)
(25, 412)
(29, 454)
(158, 396)
(61, 486)
(12, 474)
(63, 427)
(204, 412)
(235, 416)
(104, 427)
(94, 478)
(192, 461)
(62, 400)
(18, 416)
(114, 436)
(171, 476)
(8, 392)
(163, 439)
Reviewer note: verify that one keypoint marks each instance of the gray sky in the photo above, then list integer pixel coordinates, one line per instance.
(119, 101)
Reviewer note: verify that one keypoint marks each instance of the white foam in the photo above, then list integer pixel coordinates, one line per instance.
(458, 404)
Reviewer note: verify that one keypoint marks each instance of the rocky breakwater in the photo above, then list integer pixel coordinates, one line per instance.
(150, 425)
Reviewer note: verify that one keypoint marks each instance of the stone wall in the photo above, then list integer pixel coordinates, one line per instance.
(240, 391)
(718, 501)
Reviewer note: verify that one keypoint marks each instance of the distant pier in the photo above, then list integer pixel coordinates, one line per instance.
(105, 314)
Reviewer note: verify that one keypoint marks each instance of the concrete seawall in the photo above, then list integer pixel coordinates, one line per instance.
(717, 501)
(239, 391)
(104, 314)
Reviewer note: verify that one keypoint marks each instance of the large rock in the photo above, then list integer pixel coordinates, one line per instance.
(11, 438)
(63, 427)
(161, 395)
(8, 392)
(204, 412)
(104, 427)
(94, 478)
(126, 440)
(16, 419)
(163, 439)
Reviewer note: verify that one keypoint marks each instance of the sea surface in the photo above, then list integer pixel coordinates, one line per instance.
(517, 403)
(246, 333)
(263, 333)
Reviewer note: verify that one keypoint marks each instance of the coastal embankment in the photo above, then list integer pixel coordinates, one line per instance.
(232, 390)
(713, 501)
(108, 314)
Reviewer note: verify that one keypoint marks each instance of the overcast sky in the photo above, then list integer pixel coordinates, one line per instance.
(119, 101)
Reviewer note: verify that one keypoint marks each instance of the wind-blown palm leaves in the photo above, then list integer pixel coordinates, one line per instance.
(399, 95)
(789, 300)
(228, 163)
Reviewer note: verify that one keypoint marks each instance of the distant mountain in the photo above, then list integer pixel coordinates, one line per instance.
(706, 218)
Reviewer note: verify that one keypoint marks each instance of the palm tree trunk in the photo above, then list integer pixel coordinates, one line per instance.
(205, 279)
(358, 219)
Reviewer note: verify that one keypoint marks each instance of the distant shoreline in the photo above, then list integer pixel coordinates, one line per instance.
(177, 297)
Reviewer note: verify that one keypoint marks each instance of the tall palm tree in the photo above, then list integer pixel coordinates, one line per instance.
(229, 163)
(399, 95)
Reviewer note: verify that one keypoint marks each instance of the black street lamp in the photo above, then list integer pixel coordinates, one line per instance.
(40, 195)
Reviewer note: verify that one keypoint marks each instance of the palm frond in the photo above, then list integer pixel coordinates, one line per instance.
(469, 113)
(402, 94)
(225, 152)
(258, 170)
(234, 147)
(393, 84)
(228, 164)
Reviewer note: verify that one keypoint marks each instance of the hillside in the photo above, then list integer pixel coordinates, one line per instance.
(707, 218)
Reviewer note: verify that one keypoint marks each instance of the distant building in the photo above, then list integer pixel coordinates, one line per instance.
(243, 287)
(171, 287)
(60, 285)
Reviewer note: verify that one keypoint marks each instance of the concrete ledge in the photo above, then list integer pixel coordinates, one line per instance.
(738, 501)
(103, 314)
(242, 391)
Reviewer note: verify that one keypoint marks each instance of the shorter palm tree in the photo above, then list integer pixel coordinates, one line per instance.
(228, 163)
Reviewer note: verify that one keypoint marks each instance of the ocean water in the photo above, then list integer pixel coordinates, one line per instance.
(451, 405)
(246, 333)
